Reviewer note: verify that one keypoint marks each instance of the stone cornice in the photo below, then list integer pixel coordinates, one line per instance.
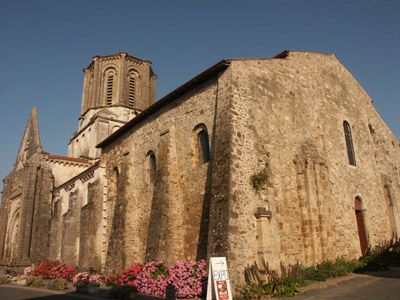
(84, 176)
(68, 161)
(106, 106)
(100, 117)
(116, 56)
(15, 197)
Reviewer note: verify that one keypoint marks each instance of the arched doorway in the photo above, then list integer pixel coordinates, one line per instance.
(11, 245)
(361, 225)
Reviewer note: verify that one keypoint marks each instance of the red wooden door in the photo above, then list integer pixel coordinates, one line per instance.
(361, 226)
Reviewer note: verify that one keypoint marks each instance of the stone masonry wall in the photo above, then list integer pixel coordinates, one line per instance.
(12, 192)
(71, 231)
(221, 173)
(26, 197)
(91, 229)
(167, 218)
(55, 237)
(77, 215)
(287, 121)
(39, 248)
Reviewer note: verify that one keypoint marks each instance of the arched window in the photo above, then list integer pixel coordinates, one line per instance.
(115, 128)
(349, 143)
(115, 185)
(132, 87)
(204, 148)
(152, 166)
(109, 87)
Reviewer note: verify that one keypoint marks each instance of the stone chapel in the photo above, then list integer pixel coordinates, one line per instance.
(280, 159)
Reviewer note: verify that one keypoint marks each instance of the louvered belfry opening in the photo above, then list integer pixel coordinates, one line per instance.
(110, 83)
(132, 84)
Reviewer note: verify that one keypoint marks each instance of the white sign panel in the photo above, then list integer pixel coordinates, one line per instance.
(218, 287)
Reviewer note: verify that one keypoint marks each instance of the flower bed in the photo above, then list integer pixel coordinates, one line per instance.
(153, 279)
(54, 269)
(129, 275)
(187, 278)
(112, 280)
(88, 284)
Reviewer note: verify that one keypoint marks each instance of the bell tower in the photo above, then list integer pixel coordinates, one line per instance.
(116, 88)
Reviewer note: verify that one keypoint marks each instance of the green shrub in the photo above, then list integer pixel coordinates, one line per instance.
(266, 282)
(381, 257)
(37, 282)
(255, 291)
(4, 280)
(288, 289)
(258, 180)
(29, 280)
(57, 285)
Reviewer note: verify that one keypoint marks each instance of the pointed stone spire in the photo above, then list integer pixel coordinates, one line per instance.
(30, 143)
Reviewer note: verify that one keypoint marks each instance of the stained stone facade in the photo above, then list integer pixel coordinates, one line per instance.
(282, 159)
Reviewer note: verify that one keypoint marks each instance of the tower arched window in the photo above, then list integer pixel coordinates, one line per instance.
(204, 147)
(110, 87)
(132, 88)
(349, 143)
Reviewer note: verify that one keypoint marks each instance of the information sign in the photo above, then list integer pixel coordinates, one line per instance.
(218, 280)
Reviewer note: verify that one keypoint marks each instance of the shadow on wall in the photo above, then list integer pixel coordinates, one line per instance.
(204, 237)
(157, 205)
(205, 212)
(115, 257)
(156, 239)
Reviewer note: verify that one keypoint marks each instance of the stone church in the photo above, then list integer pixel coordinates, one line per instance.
(280, 159)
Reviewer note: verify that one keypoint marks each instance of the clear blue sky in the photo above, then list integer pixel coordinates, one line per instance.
(44, 44)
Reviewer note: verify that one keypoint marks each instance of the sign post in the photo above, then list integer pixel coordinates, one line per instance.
(218, 286)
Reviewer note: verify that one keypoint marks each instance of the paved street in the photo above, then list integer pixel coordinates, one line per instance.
(11, 292)
(17, 293)
(374, 286)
